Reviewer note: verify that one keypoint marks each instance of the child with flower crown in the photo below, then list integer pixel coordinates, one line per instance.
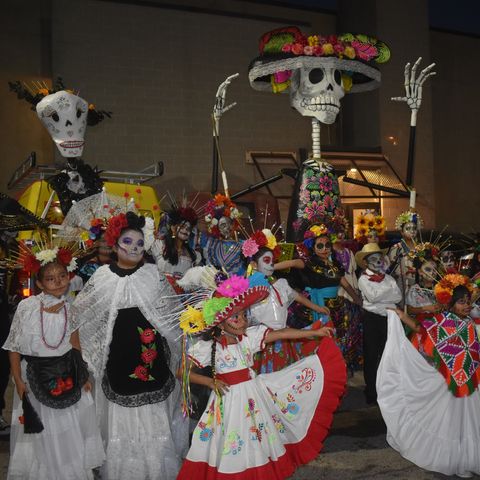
(261, 426)
(132, 348)
(262, 251)
(59, 437)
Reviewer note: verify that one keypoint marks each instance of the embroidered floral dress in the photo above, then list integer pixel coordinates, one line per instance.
(132, 349)
(432, 409)
(70, 445)
(266, 425)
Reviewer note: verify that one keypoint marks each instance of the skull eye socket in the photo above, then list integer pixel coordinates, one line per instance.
(316, 75)
(55, 116)
(337, 77)
(79, 113)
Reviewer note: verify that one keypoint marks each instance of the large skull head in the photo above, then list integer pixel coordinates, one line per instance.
(316, 92)
(65, 117)
(376, 262)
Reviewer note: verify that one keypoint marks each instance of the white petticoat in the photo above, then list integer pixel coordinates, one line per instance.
(146, 442)
(68, 448)
(426, 423)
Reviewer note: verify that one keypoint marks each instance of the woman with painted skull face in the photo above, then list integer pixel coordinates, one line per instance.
(131, 344)
(320, 275)
(172, 251)
(261, 250)
(379, 292)
(432, 420)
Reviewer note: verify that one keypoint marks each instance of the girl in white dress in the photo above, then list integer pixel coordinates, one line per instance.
(261, 426)
(52, 374)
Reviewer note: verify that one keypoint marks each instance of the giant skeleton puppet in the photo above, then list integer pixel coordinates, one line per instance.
(65, 115)
(317, 71)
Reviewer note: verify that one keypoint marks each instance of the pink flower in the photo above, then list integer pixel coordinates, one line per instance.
(249, 248)
(326, 184)
(149, 355)
(147, 336)
(318, 50)
(339, 48)
(314, 210)
(297, 48)
(287, 48)
(328, 202)
(233, 286)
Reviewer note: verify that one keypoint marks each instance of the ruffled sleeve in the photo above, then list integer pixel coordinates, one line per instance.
(256, 337)
(200, 353)
(18, 338)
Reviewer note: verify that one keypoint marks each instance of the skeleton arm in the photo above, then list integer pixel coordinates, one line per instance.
(219, 108)
(414, 87)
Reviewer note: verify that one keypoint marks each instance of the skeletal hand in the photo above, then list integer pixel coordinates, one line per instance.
(414, 86)
(219, 108)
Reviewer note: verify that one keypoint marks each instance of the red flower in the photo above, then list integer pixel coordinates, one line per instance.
(259, 238)
(147, 336)
(148, 356)
(141, 373)
(138, 190)
(137, 206)
(60, 384)
(64, 256)
(68, 384)
(55, 392)
(31, 264)
(89, 243)
(277, 251)
(126, 195)
(156, 207)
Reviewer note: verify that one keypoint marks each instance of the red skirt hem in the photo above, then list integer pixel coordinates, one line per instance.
(296, 454)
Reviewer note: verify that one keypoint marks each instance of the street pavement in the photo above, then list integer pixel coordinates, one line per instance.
(355, 448)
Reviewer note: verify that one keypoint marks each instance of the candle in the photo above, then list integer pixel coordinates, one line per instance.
(413, 195)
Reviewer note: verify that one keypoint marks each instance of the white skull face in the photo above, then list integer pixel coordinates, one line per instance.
(130, 247)
(316, 92)
(447, 258)
(427, 270)
(225, 226)
(376, 262)
(65, 117)
(409, 230)
(183, 231)
(265, 264)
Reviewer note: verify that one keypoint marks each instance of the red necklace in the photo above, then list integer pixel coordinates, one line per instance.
(53, 347)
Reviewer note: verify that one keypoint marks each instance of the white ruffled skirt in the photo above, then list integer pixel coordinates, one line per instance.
(146, 442)
(68, 448)
(426, 423)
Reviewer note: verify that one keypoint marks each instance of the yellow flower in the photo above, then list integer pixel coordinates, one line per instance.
(84, 236)
(313, 40)
(43, 91)
(319, 230)
(191, 320)
(271, 240)
(349, 52)
(347, 83)
(328, 49)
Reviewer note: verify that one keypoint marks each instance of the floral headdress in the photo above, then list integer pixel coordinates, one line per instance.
(221, 206)
(122, 221)
(33, 255)
(286, 49)
(261, 239)
(314, 232)
(444, 288)
(407, 217)
(37, 91)
(425, 251)
(369, 221)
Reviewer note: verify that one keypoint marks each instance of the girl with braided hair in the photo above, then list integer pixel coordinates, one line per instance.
(261, 426)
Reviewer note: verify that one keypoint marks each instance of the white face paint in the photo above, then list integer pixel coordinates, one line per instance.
(184, 231)
(316, 92)
(65, 117)
(427, 270)
(448, 259)
(265, 264)
(225, 227)
(372, 236)
(409, 230)
(376, 262)
(130, 247)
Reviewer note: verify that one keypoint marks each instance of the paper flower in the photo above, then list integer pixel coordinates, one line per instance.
(212, 306)
(191, 320)
(249, 248)
(233, 286)
(47, 256)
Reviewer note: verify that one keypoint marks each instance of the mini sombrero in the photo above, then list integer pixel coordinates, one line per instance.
(368, 249)
(286, 49)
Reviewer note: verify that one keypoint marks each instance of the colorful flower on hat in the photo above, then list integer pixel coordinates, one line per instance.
(271, 240)
(191, 320)
(444, 288)
(369, 221)
(249, 248)
(114, 228)
(212, 306)
(46, 256)
(233, 286)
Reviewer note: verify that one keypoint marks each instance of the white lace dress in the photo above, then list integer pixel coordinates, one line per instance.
(184, 261)
(70, 445)
(266, 425)
(142, 440)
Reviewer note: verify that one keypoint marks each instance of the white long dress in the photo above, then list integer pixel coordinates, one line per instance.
(70, 445)
(426, 423)
(265, 425)
(143, 440)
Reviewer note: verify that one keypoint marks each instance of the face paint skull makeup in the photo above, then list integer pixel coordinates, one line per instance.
(376, 262)
(265, 264)
(64, 115)
(448, 260)
(225, 226)
(183, 231)
(427, 271)
(409, 230)
(130, 247)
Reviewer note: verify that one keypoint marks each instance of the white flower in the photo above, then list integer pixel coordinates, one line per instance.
(72, 266)
(214, 221)
(46, 256)
(234, 213)
(208, 218)
(148, 232)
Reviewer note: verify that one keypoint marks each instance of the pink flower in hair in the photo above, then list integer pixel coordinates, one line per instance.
(249, 248)
(233, 286)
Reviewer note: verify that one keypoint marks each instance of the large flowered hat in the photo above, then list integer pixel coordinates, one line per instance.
(286, 49)
(258, 240)
(409, 216)
(231, 296)
(369, 221)
(218, 207)
(444, 288)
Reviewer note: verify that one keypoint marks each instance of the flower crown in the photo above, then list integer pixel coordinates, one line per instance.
(444, 288)
(32, 258)
(261, 239)
(37, 91)
(407, 217)
(314, 232)
(220, 206)
(423, 250)
(122, 221)
(369, 221)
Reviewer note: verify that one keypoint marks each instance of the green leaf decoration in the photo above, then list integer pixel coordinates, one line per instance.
(140, 330)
